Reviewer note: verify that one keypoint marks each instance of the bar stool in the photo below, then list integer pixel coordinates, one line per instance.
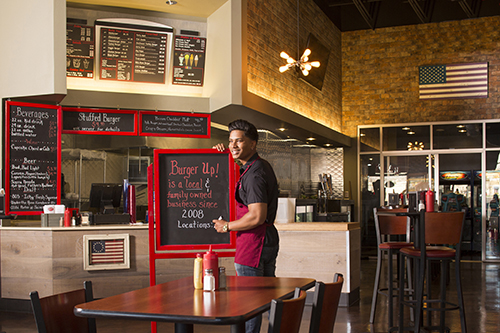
(437, 228)
(385, 227)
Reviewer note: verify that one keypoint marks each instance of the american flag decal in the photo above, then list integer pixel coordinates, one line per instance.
(110, 251)
(453, 81)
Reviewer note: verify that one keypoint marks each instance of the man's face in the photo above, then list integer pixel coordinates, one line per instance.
(241, 147)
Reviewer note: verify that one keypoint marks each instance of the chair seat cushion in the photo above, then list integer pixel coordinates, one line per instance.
(431, 252)
(394, 245)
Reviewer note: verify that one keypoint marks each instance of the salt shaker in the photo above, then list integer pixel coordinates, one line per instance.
(209, 280)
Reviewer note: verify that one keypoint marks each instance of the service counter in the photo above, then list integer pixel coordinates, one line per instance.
(319, 250)
(51, 259)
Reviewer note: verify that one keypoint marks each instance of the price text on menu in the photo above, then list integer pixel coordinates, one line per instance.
(178, 124)
(193, 190)
(189, 60)
(33, 142)
(135, 56)
(79, 51)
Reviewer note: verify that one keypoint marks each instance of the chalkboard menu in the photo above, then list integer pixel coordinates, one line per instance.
(79, 51)
(99, 121)
(189, 60)
(176, 124)
(33, 158)
(133, 53)
(193, 187)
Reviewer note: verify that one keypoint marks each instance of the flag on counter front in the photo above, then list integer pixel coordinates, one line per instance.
(453, 81)
(107, 251)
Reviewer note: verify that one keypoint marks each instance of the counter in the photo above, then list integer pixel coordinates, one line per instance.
(319, 250)
(50, 259)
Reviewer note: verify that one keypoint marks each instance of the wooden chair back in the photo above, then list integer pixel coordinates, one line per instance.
(54, 314)
(325, 304)
(286, 315)
(390, 225)
(444, 228)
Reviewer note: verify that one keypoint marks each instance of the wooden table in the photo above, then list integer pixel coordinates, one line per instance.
(178, 302)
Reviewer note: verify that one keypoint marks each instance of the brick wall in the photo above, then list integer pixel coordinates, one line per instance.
(380, 72)
(272, 28)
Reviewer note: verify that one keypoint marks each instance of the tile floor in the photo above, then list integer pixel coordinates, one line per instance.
(481, 293)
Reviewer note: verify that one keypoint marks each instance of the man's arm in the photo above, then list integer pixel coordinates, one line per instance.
(257, 214)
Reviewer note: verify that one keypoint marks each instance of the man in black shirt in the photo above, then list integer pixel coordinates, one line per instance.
(257, 241)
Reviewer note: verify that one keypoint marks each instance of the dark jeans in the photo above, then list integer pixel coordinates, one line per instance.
(267, 267)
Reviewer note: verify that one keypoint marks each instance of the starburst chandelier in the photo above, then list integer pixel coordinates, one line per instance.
(303, 64)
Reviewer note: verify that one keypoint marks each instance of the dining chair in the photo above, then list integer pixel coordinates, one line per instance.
(387, 226)
(286, 315)
(442, 243)
(54, 314)
(325, 304)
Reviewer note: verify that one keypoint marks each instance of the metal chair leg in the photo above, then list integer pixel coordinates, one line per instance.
(376, 286)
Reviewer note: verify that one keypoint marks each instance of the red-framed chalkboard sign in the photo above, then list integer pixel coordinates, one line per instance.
(99, 121)
(174, 124)
(32, 157)
(191, 188)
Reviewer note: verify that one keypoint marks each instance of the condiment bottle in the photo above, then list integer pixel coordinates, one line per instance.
(222, 277)
(209, 280)
(211, 261)
(198, 272)
(429, 201)
(421, 205)
(67, 217)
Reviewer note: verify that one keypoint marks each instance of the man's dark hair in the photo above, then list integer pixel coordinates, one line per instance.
(243, 125)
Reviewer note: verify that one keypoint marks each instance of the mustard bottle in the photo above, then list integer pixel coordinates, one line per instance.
(198, 272)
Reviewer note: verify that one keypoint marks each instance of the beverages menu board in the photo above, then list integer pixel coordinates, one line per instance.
(192, 188)
(33, 158)
(189, 60)
(133, 53)
(80, 44)
(178, 124)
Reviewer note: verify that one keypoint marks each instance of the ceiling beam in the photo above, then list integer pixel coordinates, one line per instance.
(472, 10)
(369, 14)
(424, 14)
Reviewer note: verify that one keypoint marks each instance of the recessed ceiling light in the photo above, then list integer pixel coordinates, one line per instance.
(328, 144)
(460, 126)
(411, 132)
(462, 131)
(281, 129)
(362, 134)
(171, 2)
(406, 128)
(311, 139)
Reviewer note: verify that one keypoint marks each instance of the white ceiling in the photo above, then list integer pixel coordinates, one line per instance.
(198, 8)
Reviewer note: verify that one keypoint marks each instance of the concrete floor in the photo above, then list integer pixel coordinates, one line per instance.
(481, 294)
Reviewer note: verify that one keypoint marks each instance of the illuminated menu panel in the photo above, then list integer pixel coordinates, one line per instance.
(189, 60)
(134, 55)
(80, 45)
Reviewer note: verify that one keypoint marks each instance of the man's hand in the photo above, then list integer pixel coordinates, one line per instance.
(219, 147)
(219, 225)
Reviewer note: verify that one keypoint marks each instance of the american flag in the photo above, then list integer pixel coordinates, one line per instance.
(453, 81)
(107, 251)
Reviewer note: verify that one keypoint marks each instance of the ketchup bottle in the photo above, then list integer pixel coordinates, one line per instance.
(67, 218)
(429, 201)
(211, 261)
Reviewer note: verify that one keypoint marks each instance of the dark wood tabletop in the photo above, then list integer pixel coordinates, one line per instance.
(177, 301)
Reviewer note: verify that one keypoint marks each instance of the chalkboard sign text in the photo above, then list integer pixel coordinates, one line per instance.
(99, 121)
(174, 124)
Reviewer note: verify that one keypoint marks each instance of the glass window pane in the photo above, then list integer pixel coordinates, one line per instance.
(492, 135)
(492, 243)
(369, 139)
(458, 136)
(406, 138)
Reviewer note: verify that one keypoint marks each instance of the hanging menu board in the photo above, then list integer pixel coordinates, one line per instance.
(193, 187)
(99, 121)
(178, 124)
(33, 158)
(79, 51)
(189, 60)
(132, 52)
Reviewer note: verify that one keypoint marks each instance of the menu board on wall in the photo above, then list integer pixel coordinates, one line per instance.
(131, 52)
(178, 124)
(33, 157)
(99, 121)
(189, 60)
(80, 44)
(192, 188)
